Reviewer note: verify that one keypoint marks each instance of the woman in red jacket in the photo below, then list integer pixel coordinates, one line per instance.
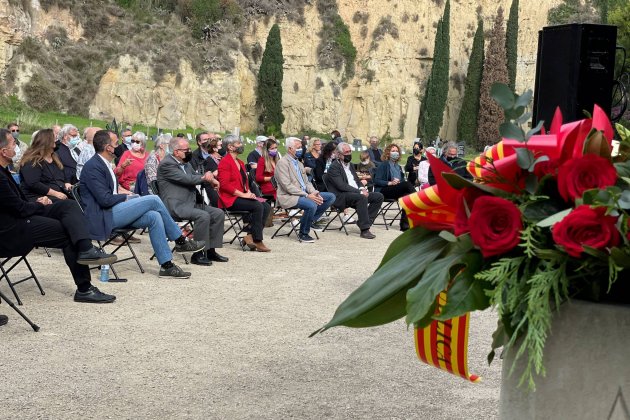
(235, 195)
(266, 167)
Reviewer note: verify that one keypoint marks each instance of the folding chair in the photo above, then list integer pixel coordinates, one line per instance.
(187, 224)
(338, 214)
(122, 233)
(294, 227)
(5, 274)
(236, 222)
(387, 206)
(16, 309)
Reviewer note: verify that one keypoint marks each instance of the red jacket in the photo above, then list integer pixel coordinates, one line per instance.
(231, 180)
(266, 187)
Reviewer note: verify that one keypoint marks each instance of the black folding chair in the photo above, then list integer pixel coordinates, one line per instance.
(236, 223)
(16, 309)
(122, 233)
(6, 261)
(337, 214)
(389, 205)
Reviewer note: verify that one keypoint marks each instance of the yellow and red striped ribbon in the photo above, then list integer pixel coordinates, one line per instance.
(444, 344)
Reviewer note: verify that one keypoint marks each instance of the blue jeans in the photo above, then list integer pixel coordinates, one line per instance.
(312, 212)
(148, 212)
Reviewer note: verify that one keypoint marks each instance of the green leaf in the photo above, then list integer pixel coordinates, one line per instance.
(534, 130)
(539, 210)
(524, 99)
(466, 294)
(623, 168)
(514, 113)
(380, 299)
(499, 339)
(511, 131)
(624, 200)
(435, 279)
(448, 236)
(620, 257)
(460, 183)
(503, 95)
(531, 183)
(524, 118)
(524, 158)
(595, 252)
(553, 219)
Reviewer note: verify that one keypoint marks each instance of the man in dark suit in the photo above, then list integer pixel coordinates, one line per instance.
(449, 156)
(124, 145)
(374, 151)
(342, 180)
(106, 210)
(68, 150)
(25, 225)
(177, 183)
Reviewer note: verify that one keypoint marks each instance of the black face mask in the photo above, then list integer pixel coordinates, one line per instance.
(222, 152)
(451, 158)
(187, 157)
(239, 150)
(416, 152)
(347, 158)
(56, 147)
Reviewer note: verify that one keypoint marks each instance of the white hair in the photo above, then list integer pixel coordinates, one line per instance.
(139, 135)
(290, 142)
(230, 139)
(342, 146)
(67, 128)
(174, 143)
(162, 139)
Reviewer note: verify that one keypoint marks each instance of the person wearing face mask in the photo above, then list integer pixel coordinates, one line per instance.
(235, 194)
(88, 149)
(69, 151)
(389, 180)
(180, 189)
(20, 147)
(256, 154)
(160, 150)
(423, 169)
(322, 164)
(413, 162)
(124, 145)
(449, 156)
(107, 209)
(364, 170)
(374, 151)
(202, 153)
(266, 167)
(132, 161)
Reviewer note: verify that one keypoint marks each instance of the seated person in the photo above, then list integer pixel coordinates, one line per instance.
(389, 180)
(132, 161)
(211, 164)
(69, 150)
(449, 156)
(234, 193)
(294, 190)
(20, 146)
(342, 180)
(364, 169)
(413, 162)
(374, 151)
(201, 153)
(423, 169)
(88, 149)
(266, 167)
(42, 172)
(310, 158)
(106, 210)
(177, 183)
(160, 150)
(26, 224)
(322, 163)
(254, 155)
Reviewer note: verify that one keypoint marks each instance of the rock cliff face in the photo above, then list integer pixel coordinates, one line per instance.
(383, 97)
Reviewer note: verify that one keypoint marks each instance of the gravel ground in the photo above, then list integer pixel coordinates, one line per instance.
(230, 342)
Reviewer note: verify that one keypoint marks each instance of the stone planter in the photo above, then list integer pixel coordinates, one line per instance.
(587, 358)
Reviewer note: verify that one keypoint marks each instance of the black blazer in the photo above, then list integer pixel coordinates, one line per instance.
(69, 164)
(15, 213)
(38, 179)
(337, 183)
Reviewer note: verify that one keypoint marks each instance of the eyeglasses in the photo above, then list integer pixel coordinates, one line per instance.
(136, 141)
(15, 131)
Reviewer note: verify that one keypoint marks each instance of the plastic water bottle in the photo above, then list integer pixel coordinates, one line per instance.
(105, 272)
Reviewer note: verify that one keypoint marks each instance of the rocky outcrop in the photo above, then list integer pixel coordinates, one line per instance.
(382, 98)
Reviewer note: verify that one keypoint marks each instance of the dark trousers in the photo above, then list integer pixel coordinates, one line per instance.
(62, 226)
(367, 207)
(394, 192)
(258, 214)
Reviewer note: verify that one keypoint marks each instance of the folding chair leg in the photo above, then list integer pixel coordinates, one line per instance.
(39, 286)
(5, 275)
(35, 327)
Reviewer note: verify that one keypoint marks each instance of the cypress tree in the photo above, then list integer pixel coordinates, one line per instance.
(511, 44)
(432, 109)
(467, 122)
(494, 71)
(270, 83)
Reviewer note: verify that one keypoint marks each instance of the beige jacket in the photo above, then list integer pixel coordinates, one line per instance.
(289, 188)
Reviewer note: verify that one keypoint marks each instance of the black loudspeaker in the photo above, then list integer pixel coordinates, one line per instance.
(574, 70)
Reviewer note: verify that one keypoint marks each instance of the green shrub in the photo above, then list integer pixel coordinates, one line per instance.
(41, 94)
(335, 48)
(270, 78)
(511, 44)
(467, 122)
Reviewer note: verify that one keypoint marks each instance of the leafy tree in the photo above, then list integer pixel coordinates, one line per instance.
(620, 16)
(270, 83)
(511, 44)
(432, 109)
(494, 71)
(467, 122)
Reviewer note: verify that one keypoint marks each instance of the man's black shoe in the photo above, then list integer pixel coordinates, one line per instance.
(366, 234)
(306, 238)
(95, 256)
(3, 319)
(190, 246)
(199, 258)
(93, 295)
(214, 256)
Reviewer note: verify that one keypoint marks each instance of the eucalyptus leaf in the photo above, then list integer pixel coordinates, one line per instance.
(623, 168)
(524, 99)
(380, 299)
(553, 219)
(434, 280)
(543, 158)
(514, 113)
(524, 118)
(510, 131)
(503, 95)
(535, 129)
(459, 183)
(624, 200)
(524, 158)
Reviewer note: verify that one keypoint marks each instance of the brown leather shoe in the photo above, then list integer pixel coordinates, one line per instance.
(134, 240)
(249, 241)
(261, 247)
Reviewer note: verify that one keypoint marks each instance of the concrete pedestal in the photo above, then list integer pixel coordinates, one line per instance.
(587, 358)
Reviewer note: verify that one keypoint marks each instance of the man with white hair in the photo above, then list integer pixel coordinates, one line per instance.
(342, 180)
(88, 149)
(69, 150)
(374, 151)
(294, 190)
(254, 155)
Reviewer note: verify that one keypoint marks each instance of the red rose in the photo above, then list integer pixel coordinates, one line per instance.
(586, 226)
(495, 225)
(547, 167)
(465, 203)
(585, 173)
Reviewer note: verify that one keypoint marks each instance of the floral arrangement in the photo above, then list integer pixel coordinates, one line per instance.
(544, 220)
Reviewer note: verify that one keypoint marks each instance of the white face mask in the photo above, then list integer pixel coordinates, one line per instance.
(366, 162)
(18, 154)
(136, 146)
